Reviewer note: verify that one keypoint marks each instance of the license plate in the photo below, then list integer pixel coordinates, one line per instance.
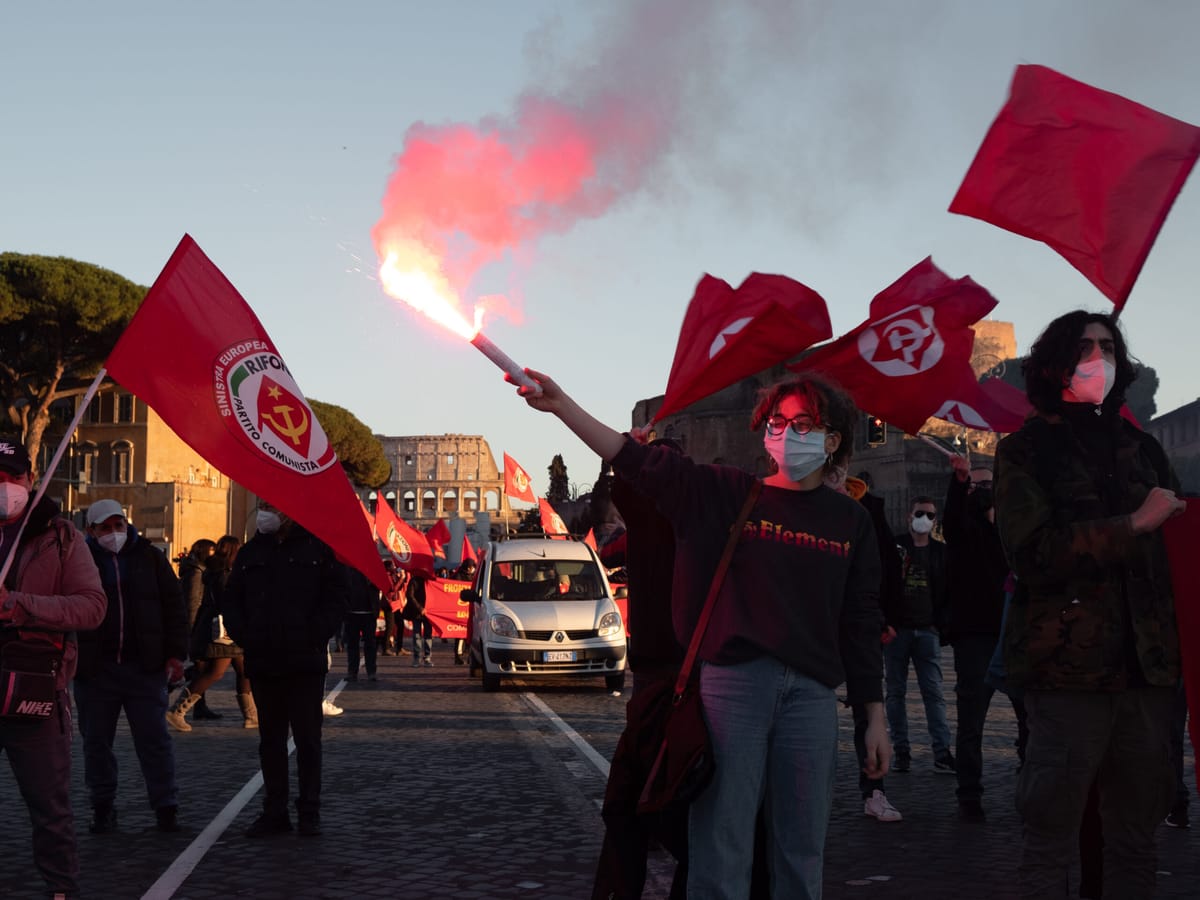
(558, 656)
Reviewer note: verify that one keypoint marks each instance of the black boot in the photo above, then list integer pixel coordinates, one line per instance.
(201, 710)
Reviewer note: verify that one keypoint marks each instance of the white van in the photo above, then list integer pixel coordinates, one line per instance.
(543, 606)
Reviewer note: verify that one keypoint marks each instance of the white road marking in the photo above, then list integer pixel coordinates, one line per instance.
(573, 736)
(175, 875)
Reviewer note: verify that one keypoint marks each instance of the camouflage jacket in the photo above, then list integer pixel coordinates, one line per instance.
(1091, 595)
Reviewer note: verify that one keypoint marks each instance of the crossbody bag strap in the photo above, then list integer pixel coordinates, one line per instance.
(735, 533)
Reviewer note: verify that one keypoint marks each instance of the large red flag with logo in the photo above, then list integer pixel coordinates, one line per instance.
(516, 481)
(1090, 173)
(728, 334)
(552, 523)
(439, 536)
(408, 546)
(990, 405)
(1182, 536)
(198, 356)
(897, 364)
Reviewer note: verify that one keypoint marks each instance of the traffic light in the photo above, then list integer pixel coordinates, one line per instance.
(876, 431)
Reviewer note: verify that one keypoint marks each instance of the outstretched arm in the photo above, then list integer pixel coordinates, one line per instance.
(605, 442)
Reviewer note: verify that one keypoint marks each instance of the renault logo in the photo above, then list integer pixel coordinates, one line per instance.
(559, 636)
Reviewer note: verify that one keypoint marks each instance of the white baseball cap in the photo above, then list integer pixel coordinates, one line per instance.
(103, 509)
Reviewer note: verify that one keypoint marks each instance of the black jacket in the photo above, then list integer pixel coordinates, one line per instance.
(285, 598)
(976, 567)
(900, 616)
(146, 619)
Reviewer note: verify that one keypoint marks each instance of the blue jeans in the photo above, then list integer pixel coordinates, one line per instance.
(143, 695)
(774, 736)
(921, 645)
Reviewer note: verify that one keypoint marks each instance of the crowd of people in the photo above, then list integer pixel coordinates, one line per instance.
(1046, 573)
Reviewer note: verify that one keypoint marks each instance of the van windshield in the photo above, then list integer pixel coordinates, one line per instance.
(546, 579)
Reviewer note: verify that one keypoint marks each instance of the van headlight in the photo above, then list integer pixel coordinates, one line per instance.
(610, 623)
(503, 626)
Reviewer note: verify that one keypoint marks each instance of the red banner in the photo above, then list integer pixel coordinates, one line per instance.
(408, 546)
(445, 609)
(196, 353)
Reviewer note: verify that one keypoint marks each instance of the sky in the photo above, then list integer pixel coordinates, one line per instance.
(818, 140)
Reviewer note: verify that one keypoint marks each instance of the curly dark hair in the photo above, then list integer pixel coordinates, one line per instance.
(1055, 354)
(835, 410)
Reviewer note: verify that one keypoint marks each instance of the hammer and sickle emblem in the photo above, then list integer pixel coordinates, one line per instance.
(906, 336)
(289, 429)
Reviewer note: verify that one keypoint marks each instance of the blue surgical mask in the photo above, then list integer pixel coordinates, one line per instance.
(797, 455)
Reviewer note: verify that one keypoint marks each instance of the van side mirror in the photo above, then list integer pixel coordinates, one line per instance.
(469, 595)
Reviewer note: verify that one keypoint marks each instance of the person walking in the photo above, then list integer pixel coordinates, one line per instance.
(422, 628)
(1090, 636)
(191, 582)
(285, 598)
(918, 620)
(126, 665)
(52, 591)
(366, 602)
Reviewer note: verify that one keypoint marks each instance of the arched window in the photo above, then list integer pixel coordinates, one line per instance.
(491, 500)
(470, 500)
(429, 503)
(122, 462)
(410, 502)
(372, 500)
(450, 501)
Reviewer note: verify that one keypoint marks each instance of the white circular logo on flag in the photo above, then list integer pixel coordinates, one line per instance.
(260, 402)
(731, 329)
(397, 544)
(905, 343)
(558, 524)
(961, 414)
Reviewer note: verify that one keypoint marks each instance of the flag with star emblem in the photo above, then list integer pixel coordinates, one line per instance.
(197, 354)
(516, 481)
(729, 334)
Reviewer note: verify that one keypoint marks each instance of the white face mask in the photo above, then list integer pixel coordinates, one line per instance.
(1091, 381)
(921, 524)
(112, 542)
(267, 522)
(797, 455)
(13, 500)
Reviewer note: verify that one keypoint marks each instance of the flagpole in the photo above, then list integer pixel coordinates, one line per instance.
(43, 483)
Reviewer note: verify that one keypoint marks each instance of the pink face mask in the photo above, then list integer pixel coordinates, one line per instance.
(1091, 381)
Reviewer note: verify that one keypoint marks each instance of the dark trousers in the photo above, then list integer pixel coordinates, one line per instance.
(143, 696)
(1178, 729)
(866, 786)
(290, 701)
(360, 628)
(1118, 740)
(972, 653)
(39, 754)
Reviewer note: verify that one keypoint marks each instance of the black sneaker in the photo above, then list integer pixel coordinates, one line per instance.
(970, 811)
(902, 762)
(944, 764)
(104, 820)
(266, 825)
(310, 825)
(1177, 818)
(166, 820)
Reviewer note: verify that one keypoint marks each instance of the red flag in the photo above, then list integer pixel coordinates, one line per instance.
(1182, 536)
(1091, 174)
(439, 536)
(897, 365)
(730, 334)
(590, 539)
(991, 405)
(408, 546)
(367, 515)
(516, 481)
(552, 523)
(468, 552)
(198, 356)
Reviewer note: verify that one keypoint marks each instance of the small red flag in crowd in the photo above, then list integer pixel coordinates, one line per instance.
(408, 546)
(728, 334)
(468, 552)
(439, 536)
(590, 539)
(552, 523)
(516, 481)
(226, 392)
(901, 361)
(1091, 174)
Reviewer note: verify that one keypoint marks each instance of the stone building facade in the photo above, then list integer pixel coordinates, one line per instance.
(444, 476)
(124, 451)
(1179, 433)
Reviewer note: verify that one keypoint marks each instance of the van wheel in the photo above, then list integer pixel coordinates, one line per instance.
(615, 682)
(491, 683)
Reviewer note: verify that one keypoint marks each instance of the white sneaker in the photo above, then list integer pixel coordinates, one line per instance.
(330, 710)
(877, 805)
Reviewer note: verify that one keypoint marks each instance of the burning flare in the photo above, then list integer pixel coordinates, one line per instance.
(411, 273)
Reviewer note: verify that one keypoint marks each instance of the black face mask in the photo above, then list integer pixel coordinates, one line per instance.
(980, 500)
